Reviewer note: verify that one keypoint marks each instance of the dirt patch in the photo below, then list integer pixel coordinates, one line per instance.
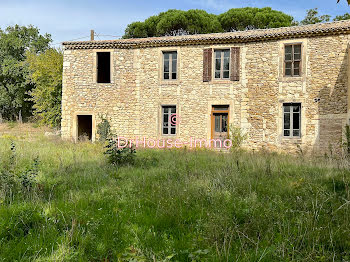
(22, 131)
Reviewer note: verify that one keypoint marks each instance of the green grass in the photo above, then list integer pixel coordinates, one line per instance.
(174, 205)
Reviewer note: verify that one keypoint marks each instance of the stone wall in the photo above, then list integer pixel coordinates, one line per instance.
(132, 102)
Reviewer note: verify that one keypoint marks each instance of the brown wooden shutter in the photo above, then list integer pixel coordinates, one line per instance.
(207, 64)
(235, 63)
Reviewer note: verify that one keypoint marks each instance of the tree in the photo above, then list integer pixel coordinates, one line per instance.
(312, 17)
(15, 41)
(173, 21)
(136, 30)
(237, 19)
(46, 73)
(345, 16)
(347, 1)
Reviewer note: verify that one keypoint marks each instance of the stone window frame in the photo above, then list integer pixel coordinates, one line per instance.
(161, 65)
(221, 69)
(280, 121)
(304, 60)
(75, 124)
(94, 67)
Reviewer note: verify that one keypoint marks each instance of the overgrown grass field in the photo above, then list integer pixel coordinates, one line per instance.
(70, 204)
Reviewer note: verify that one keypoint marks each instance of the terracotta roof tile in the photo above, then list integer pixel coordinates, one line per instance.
(332, 28)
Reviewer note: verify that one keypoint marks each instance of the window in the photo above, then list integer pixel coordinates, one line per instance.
(292, 60)
(222, 64)
(220, 108)
(221, 123)
(169, 120)
(291, 120)
(170, 65)
(103, 67)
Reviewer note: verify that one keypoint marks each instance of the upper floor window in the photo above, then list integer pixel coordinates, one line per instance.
(103, 67)
(170, 65)
(222, 64)
(292, 60)
(291, 119)
(169, 120)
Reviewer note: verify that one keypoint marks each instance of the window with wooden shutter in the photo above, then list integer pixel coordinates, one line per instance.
(235, 63)
(207, 64)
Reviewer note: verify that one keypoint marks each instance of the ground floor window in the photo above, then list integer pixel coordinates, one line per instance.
(169, 120)
(291, 119)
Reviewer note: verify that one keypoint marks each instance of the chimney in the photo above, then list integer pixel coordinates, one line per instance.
(92, 35)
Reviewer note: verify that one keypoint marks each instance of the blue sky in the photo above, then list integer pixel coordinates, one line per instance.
(68, 20)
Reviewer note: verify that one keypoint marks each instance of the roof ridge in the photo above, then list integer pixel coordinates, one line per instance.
(262, 34)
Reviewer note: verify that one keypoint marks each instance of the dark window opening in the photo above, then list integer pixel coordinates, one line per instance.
(103, 67)
(291, 120)
(169, 120)
(220, 107)
(84, 127)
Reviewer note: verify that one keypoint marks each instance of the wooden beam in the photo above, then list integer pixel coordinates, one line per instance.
(92, 35)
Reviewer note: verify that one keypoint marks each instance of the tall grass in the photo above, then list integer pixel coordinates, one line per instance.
(174, 205)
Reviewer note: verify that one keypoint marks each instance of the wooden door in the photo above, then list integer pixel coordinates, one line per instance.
(220, 122)
(220, 126)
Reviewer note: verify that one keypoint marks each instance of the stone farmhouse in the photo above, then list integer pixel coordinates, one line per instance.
(286, 88)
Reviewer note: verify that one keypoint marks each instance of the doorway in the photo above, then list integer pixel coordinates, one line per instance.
(220, 122)
(84, 127)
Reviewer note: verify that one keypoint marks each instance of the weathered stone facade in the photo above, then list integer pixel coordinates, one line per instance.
(132, 101)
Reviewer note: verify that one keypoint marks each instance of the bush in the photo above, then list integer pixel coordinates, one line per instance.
(103, 130)
(346, 144)
(119, 156)
(237, 137)
(27, 178)
(15, 182)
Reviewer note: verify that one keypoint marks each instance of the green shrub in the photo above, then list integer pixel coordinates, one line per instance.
(237, 137)
(27, 177)
(15, 182)
(346, 144)
(119, 156)
(103, 130)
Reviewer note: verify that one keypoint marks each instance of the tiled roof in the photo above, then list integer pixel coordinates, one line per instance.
(332, 28)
